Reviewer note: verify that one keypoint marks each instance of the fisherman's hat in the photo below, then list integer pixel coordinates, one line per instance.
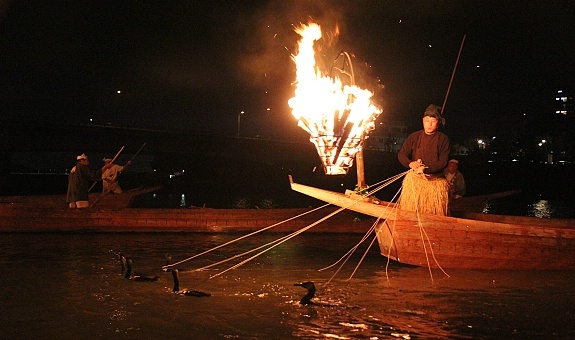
(435, 112)
(82, 156)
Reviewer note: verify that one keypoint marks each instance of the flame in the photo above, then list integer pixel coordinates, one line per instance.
(337, 116)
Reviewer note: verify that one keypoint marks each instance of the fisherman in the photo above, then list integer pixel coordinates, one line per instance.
(79, 180)
(110, 173)
(455, 180)
(426, 153)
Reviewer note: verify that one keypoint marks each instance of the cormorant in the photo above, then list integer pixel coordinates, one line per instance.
(123, 262)
(306, 300)
(140, 278)
(177, 290)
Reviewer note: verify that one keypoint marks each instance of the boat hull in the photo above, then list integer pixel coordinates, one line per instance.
(465, 240)
(113, 214)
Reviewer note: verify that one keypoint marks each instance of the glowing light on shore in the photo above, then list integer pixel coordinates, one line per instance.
(337, 116)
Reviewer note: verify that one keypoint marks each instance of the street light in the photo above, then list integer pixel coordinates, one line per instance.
(239, 120)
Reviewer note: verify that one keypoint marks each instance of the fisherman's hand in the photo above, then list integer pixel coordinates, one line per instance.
(415, 164)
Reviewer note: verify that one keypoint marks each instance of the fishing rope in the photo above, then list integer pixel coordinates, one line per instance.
(284, 239)
(362, 257)
(420, 225)
(388, 209)
(392, 239)
(422, 232)
(350, 252)
(245, 236)
(366, 235)
(277, 242)
(242, 254)
(392, 232)
(258, 231)
(270, 245)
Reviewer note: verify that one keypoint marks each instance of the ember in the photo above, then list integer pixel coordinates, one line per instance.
(336, 113)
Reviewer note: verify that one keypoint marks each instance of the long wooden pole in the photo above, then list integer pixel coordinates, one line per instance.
(453, 75)
(137, 152)
(118, 154)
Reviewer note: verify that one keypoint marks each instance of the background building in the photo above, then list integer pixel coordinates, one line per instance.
(564, 104)
(387, 137)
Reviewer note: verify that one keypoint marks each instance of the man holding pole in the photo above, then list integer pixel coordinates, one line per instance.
(110, 173)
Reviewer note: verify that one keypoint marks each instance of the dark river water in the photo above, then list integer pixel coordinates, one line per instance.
(69, 286)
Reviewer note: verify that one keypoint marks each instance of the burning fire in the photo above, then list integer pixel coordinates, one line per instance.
(337, 116)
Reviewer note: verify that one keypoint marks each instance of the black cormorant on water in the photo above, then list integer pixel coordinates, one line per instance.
(177, 290)
(123, 262)
(306, 300)
(139, 278)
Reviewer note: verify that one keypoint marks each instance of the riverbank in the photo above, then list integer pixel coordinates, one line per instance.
(545, 188)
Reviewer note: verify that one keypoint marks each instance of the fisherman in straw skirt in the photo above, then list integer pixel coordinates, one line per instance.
(426, 153)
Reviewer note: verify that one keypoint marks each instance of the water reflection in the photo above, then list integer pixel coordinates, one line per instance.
(541, 209)
(70, 285)
(529, 204)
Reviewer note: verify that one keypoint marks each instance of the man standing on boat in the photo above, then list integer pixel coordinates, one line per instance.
(79, 180)
(426, 153)
(110, 173)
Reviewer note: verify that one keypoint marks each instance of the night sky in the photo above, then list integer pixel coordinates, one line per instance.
(196, 65)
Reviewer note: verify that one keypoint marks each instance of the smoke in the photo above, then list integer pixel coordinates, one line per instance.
(267, 56)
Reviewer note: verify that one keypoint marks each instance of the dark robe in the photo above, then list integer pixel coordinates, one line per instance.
(79, 181)
(433, 150)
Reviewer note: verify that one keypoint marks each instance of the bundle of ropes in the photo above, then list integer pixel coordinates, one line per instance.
(430, 193)
(426, 195)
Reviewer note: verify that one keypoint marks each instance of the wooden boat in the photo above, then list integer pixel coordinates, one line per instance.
(112, 213)
(97, 200)
(470, 240)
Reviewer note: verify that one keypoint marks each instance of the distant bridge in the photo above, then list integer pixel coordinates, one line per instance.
(42, 137)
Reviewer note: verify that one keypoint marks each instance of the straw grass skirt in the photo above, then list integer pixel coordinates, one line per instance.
(426, 195)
